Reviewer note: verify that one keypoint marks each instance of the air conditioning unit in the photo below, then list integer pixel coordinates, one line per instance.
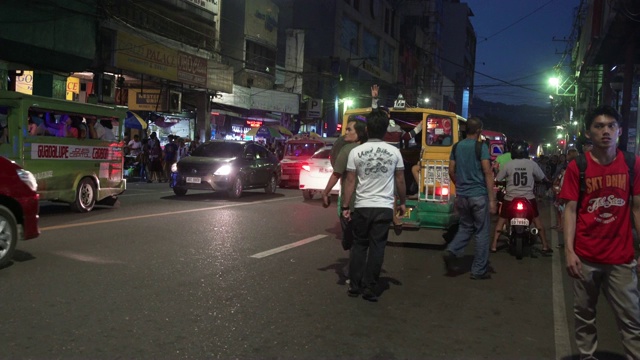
(108, 89)
(175, 101)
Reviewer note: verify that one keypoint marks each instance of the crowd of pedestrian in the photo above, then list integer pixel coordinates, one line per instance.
(595, 191)
(148, 160)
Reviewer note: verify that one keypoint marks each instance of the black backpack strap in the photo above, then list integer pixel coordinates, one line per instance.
(453, 150)
(478, 149)
(581, 162)
(630, 159)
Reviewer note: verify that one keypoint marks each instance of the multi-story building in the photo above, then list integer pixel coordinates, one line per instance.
(248, 42)
(458, 54)
(349, 46)
(605, 61)
(157, 57)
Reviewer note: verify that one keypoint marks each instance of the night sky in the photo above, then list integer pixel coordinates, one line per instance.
(516, 45)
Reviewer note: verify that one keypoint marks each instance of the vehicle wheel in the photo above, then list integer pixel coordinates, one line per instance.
(519, 247)
(236, 190)
(272, 185)
(8, 235)
(85, 196)
(307, 194)
(180, 191)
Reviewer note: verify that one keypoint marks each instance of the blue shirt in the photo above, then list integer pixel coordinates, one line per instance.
(469, 175)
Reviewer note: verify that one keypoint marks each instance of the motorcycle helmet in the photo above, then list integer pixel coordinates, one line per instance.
(520, 150)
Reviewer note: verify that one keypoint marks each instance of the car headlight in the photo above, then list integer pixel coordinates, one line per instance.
(174, 167)
(28, 178)
(223, 170)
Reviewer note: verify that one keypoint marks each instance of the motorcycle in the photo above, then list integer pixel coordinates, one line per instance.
(522, 233)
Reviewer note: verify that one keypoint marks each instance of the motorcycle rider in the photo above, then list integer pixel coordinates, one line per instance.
(520, 174)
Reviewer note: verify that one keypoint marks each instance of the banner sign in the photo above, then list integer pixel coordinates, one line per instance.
(146, 56)
(192, 69)
(24, 83)
(146, 100)
(73, 152)
(209, 5)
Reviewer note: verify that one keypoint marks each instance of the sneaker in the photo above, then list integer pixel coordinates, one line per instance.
(351, 292)
(485, 276)
(449, 259)
(369, 295)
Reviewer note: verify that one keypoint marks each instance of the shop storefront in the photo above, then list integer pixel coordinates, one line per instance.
(234, 114)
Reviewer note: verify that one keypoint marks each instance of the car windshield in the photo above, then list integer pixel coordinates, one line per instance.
(322, 154)
(302, 149)
(218, 150)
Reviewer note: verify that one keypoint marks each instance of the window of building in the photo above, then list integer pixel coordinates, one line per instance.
(387, 58)
(370, 46)
(387, 21)
(260, 58)
(349, 36)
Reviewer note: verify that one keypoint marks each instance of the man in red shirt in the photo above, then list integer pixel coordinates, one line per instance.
(598, 236)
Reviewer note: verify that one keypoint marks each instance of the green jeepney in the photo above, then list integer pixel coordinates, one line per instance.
(78, 170)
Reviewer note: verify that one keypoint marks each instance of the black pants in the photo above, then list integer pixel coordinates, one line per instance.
(370, 232)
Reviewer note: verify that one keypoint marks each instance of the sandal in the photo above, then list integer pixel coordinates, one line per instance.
(547, 251)
(493, 251)
(554, 226)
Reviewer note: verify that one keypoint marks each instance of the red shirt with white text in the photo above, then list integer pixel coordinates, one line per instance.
(603, 227)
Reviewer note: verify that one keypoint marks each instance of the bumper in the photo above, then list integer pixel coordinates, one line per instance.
(211, 182)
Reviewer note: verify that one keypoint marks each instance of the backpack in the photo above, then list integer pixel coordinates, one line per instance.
(581, 161)
(478, 150)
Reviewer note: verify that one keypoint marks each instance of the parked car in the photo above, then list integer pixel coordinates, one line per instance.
(315, 173)
(18, 208)
(231, 166)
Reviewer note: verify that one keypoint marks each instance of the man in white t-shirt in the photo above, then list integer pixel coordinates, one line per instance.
(379, 169)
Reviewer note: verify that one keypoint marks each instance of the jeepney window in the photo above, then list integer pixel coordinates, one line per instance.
(439, 131)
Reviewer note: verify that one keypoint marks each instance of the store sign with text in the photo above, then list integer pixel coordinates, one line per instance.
(72, 152)
(146, 100)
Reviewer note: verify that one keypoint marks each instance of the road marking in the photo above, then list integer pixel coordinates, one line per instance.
(137, 217)
(560, 323)
(287, 247)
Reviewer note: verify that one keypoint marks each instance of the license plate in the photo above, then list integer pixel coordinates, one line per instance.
(284, 177)
(193, 180)
(523, 222)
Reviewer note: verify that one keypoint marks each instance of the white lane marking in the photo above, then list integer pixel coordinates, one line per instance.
(145, 192)
(287, 247)
(57, 227)
(560, 323)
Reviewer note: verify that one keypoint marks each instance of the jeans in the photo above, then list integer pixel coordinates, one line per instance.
(619, 283)
(370, 232)
(474, 219)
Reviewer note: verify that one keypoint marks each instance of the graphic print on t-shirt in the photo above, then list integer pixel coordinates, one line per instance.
(599, 205)
(377, 162)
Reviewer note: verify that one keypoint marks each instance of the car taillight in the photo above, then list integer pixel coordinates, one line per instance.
(305, 166)
(520, 205)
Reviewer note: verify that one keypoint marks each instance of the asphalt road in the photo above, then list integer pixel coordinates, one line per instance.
(202, 276)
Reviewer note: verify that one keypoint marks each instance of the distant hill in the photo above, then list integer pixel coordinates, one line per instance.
(522, 122)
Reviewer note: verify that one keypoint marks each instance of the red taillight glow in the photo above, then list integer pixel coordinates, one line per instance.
(306, 167)
(519, 206)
